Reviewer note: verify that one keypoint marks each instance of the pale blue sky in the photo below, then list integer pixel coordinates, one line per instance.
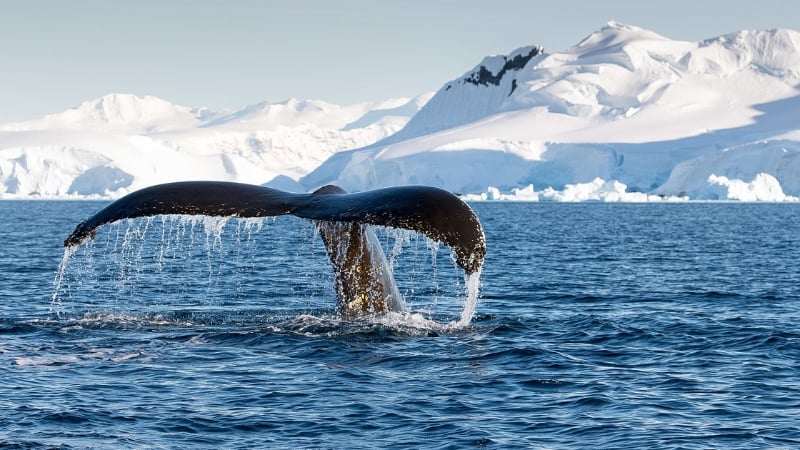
(229, 53)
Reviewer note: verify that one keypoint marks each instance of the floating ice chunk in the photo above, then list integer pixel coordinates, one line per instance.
(763, 188)
(596, 190)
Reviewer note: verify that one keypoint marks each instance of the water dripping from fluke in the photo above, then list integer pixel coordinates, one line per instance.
(56, 305)
(472, 283)
(140, 252)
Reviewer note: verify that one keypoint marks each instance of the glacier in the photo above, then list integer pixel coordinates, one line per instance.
(624, 115)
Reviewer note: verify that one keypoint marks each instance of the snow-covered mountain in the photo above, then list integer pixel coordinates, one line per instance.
(626, 114)
(624, 106)
(119, 143)
(119, 113)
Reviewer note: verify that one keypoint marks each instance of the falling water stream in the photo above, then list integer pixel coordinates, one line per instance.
(127, 256)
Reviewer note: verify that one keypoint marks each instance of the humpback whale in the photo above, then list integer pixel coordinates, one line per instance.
(363, 279)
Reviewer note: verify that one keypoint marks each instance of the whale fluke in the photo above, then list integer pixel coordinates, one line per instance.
(364, 282)
(437, 213)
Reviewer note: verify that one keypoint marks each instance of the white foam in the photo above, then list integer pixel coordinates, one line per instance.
(596, 190)
(39, 361)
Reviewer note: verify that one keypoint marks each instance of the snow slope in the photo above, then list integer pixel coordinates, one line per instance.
(624, 105)
(110, 146)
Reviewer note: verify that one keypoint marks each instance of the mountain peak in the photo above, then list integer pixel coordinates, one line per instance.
(493, 68)
(617, 71)
(116, 112)
(127, 108)
(478, 92)
(617, 33)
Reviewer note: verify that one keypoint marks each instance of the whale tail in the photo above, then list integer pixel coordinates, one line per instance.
(363, 279)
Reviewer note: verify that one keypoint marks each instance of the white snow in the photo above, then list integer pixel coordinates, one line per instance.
(597, 190)
(120, 143)
(764, 188)
(118, 113)
(625, 105)
(624, 115)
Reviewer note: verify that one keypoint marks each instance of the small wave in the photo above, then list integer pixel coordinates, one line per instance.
(103, 320)
(81, 356)
(11, 327)
(42, 361)
(547, 384)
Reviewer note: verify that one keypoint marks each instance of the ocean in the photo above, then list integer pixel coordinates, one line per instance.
(597, 326)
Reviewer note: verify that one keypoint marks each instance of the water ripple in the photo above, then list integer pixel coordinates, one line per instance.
(599, 326)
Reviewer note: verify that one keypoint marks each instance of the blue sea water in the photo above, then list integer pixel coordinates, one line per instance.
(597, 326)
